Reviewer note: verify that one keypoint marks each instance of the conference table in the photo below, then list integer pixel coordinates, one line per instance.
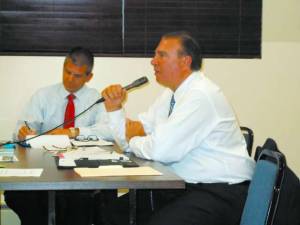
(53, 179)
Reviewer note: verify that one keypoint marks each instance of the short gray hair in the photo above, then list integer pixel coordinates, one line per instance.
(81, 56)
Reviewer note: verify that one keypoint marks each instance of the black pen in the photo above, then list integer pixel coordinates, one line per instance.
(26, 124)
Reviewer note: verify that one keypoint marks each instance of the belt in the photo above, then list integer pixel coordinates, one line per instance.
(244, 183)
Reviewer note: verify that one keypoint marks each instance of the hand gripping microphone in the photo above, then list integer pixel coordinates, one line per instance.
(134, 84)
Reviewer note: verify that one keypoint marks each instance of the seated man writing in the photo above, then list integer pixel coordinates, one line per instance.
(58, 103)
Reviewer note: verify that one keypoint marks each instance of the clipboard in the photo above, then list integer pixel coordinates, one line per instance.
(95, 163)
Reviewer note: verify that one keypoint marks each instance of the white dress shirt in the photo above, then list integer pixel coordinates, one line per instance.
(46, 110)
(200, 141)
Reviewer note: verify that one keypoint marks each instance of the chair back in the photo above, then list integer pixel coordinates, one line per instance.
(263, 194)
(249, 138)
(287, 211)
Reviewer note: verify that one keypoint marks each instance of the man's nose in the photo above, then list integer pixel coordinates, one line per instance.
(70, 77)
(153, 61)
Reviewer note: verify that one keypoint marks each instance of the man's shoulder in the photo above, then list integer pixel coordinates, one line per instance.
(203, 85)
(88, 92)
(165, 95)
(91, 90)
(48, 90)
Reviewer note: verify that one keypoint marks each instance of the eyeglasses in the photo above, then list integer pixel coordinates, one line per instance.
(86, 139)
(57, 149)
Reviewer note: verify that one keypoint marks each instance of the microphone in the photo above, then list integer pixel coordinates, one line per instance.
(134, 84)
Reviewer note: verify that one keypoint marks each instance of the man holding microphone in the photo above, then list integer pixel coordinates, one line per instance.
(190, 128)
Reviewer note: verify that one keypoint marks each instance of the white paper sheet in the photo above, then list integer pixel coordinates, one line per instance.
(12, 158)
(92, 143)
(7, 156)
(66, 162)
(20, 172)
(48, 141)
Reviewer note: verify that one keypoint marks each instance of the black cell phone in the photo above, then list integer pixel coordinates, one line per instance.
(85, 162)
(129, 163)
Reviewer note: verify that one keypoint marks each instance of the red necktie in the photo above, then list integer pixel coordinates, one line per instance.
(70, 112)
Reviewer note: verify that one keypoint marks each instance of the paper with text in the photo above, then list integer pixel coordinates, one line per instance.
(48, 141)
(20, 172)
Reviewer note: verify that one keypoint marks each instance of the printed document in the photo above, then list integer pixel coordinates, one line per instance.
(49, 141)
(20, 172)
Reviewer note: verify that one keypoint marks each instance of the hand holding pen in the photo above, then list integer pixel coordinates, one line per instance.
(25, 130)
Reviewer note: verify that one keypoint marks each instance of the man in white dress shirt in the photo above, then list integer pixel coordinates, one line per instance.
(190, 128)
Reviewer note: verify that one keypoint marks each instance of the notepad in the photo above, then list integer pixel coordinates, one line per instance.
(117, 171)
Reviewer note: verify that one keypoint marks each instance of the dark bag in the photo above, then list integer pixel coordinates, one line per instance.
(288, 210)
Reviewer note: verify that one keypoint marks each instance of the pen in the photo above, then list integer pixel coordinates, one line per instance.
(26, 124)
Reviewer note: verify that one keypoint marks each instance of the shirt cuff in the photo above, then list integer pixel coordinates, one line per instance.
(141, 147)
(85, 131)
(117, 120)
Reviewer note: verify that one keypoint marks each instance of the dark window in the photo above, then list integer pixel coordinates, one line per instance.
(225, 28)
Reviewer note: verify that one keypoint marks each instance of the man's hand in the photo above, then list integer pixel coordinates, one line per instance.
(63, 131)
(114, 95)
(134, 128)
(25, 131)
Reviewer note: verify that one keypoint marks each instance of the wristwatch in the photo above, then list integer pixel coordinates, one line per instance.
(73, 132)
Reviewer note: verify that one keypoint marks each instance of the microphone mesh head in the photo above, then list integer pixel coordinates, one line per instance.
(136, 83)
(140, 81)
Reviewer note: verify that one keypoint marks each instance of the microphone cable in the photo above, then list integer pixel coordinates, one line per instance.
(134, 84)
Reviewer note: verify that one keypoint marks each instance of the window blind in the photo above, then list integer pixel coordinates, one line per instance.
(225, 28)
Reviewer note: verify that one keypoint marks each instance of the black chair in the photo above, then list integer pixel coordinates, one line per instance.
(289, 203)
(264, 190)
(249, 137)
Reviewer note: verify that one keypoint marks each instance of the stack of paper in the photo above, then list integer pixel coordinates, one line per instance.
(62, 142)
(51, 142)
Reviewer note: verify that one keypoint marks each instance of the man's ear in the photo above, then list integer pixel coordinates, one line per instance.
(188, 60)
(89, 77)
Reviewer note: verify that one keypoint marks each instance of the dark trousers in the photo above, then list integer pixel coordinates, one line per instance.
(72, 207)
(198, 204)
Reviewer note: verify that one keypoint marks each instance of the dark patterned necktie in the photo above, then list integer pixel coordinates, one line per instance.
(70, 112)
(172, 103)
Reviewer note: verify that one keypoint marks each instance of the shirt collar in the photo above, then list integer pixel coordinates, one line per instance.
(186, 84)
(78, 94)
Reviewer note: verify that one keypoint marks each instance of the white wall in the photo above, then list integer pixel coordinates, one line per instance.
(264, 92)
(20, 77)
